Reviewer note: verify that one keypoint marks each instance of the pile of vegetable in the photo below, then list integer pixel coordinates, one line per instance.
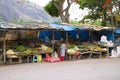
(73, 50)
(83, 47)
(20, 48)
(46, 49)
(10, 53)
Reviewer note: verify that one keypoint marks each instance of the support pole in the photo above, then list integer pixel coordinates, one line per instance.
(53, 40)
(66, 36)
(4, 47)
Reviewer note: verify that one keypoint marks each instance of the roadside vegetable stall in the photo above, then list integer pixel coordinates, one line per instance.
(21, 40)
(30, 42)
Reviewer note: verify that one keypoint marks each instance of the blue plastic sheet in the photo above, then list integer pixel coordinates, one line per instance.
(117, 31)
(63, 27)
(109, 34)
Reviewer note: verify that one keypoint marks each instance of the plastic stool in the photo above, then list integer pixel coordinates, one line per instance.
(39, 58)
(35, 58)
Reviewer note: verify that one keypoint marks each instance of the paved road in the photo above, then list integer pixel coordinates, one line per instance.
(88, 69)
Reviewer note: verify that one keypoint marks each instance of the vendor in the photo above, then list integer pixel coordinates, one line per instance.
(62, 51)
(118, 39)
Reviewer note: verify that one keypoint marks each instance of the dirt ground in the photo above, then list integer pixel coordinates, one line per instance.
(86, 69)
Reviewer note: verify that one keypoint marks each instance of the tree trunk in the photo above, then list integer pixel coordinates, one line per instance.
(64, 18)
(104, 19)
(116, 23)
(64, 14)
(112, 21)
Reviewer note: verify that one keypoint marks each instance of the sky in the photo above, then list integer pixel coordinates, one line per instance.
(75, 13)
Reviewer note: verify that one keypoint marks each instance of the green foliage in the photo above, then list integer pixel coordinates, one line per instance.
(90, 4)
(21, 21)
(117, 15)
(74, 22)
(1, 19)
(26, 20)
(51, 9)
(97, 23)
(95, 7)
(14, 20)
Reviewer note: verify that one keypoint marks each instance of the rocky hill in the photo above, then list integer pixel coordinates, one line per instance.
(10, 9)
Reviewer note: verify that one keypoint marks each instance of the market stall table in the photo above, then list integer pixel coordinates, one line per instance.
(13, 59)
(32, 57)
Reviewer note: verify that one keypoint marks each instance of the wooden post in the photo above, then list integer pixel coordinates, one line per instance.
(66, 36)
(113, 36)
(53, 40)
(4, 47)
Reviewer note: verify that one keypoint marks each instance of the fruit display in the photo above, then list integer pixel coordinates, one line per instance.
(76, 48)
(46, 49)
(10, 51)
(82, 47)
(49, 50)
(20, 48)
(70, 51)
(27, 51)
(95, 47)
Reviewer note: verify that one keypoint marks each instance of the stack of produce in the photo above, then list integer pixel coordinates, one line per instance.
(28, 51)
(95, 48)
(10, 53)
(20, 48)
(49, 50)
(73, 50)
(46, 49)
(70, 51)
(23, 50)
(83, 47)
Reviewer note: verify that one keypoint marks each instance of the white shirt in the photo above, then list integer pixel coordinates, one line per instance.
(62, 51)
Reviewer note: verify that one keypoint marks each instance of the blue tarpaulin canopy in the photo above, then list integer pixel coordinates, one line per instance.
(83, 33)
(117, 31)
(62, 27)
(57, 33)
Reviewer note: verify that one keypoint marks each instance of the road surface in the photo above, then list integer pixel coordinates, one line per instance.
(86, 69)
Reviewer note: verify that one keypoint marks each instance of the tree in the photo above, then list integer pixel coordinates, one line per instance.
(116, 4)
(104, 9)
(96, 10)
(56, 8)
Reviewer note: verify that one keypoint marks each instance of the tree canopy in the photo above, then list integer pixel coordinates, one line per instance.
(107, 10)
(56, 8)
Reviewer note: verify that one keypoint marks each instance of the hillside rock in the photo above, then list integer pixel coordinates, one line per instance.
(10, 9)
